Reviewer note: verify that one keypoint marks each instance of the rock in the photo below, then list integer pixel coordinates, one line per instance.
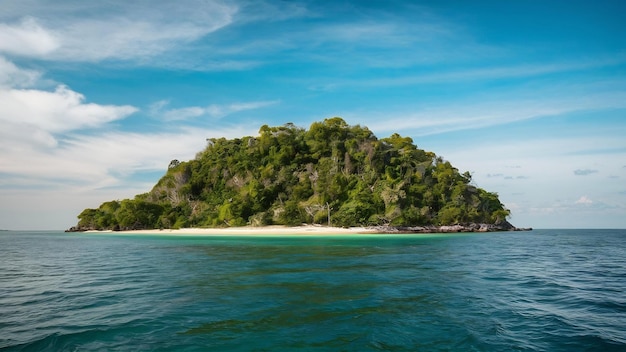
(472, 227)
(453, 228)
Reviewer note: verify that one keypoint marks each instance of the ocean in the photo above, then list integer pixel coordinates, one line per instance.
(543, 290)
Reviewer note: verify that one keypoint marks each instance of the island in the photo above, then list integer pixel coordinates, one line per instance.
(333, 175)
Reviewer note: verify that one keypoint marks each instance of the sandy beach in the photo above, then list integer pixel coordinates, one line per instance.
(316, 230)
(252, 231)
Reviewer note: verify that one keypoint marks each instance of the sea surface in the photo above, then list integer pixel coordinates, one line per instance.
(544, 290)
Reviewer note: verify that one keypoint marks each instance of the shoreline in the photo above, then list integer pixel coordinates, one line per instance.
(313, 230)
(247, 231)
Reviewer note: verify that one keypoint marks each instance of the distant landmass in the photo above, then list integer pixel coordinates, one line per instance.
(331, 174)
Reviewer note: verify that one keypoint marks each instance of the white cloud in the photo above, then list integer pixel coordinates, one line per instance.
(27, 38)
(33, 119)
(375, 33)
(58, 111)
(584, 200)
(491, 111)
(142, 30)
(159, 110)
(184, 113)
(489, 73)
(584, 172)
(115, 29)
(13, 76)
(236, 107)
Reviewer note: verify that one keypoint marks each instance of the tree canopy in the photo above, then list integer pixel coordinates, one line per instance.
(332, 173)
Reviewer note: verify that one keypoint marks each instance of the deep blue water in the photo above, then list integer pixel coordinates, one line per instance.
(545, 290)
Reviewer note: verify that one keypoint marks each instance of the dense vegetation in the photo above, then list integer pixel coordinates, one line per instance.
(331, 173)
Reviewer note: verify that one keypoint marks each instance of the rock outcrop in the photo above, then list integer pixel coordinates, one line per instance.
(502, 226)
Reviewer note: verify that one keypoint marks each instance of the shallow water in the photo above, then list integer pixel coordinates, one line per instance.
(545, 290)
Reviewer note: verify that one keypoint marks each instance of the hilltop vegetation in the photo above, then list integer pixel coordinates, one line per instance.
(332, 173)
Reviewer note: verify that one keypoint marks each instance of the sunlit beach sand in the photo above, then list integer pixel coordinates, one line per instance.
(253, 230)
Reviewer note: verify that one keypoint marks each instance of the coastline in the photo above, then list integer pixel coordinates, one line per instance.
(249, 231)
(313, 230)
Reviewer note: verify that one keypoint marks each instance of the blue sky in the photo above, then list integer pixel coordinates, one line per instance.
(529, 96)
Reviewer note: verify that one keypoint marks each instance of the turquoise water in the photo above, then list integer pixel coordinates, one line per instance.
(545, 290)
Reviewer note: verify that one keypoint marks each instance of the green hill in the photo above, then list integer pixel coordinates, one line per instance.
(289, 175)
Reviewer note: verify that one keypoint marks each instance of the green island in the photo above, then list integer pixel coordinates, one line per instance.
(332, 174)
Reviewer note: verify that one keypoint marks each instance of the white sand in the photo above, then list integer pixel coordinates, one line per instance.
(251, 231)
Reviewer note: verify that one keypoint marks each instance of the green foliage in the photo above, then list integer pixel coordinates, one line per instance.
(290, 175)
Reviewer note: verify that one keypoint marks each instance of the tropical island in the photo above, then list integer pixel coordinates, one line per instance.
(332, 174)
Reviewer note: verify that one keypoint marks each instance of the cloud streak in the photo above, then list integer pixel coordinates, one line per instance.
(32, 118)
(13, 76)
(479, 74)
(107, 159)
(110, 30)
(27, 38)
(498, 110)
(216, 111)
(584, 172)
(58, 111)
(584, 200)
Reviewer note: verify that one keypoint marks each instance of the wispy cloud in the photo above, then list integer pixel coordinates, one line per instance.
(478, 74)
(585, 172)
(35, 123)
(32, 118)
(370, 38)
(28, 38)
(152, 33)
(141, 30)
(13, 76)
(507, 177)
(390, 33)
(105, 159)
(110, 30)
(498, 109)
(160, 110)
(57, 111)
